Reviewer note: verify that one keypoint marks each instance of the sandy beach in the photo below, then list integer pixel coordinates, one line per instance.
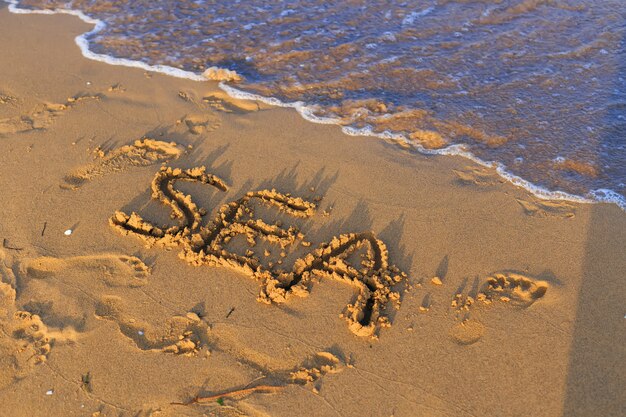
(170, 251)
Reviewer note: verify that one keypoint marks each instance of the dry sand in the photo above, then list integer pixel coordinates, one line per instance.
(499, 304)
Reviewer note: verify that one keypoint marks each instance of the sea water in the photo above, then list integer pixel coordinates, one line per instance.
(536, 87)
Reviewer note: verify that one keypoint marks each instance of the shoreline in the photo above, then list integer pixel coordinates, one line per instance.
(306, 112)
(525, 318)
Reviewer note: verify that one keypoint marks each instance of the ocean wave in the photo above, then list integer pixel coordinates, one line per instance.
(311, 112)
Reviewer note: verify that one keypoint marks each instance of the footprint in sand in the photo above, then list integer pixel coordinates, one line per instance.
(113, 270)
(219, 100)
(547, 208)
(24, 343)
(505, 288)
(180, 334)
(316, 366)
(516, 289)
(508, 287)
(371, 275)
(198, 123)
(41, 118)
(37, 120)
(223, 102)
(143, 152)
(24, 338)
(477, 176)
(6, 98)
(63, 291)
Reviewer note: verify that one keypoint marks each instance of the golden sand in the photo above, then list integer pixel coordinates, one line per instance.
(391, 283)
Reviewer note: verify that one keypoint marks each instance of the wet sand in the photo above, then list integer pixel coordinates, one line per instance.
(102, 315)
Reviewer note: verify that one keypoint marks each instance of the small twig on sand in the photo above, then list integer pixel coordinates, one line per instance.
(230, 312)
(263, 389)
(6, 245)
(44, 228)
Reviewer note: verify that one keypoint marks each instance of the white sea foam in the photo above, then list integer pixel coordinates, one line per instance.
(308, 112)
(411, 17)
(608, 196)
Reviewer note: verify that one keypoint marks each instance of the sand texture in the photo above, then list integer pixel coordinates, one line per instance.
(170, 251)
